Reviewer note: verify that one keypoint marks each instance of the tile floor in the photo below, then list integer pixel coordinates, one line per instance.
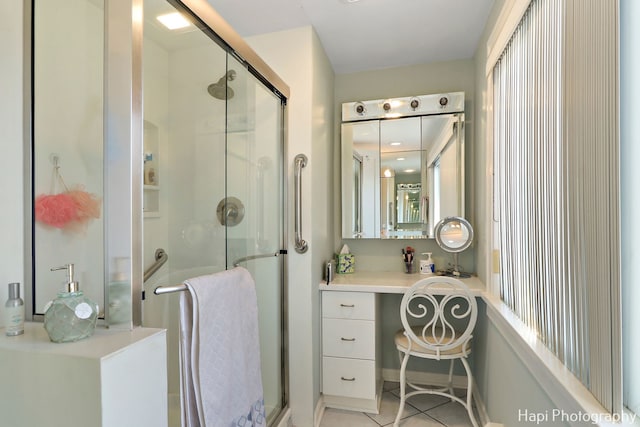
(419, 411)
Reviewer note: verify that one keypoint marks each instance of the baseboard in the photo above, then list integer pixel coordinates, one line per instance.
(483, 415)
(319, 411)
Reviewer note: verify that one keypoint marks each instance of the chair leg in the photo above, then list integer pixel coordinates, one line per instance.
(469, 392)
(450, 383)
(403, 388)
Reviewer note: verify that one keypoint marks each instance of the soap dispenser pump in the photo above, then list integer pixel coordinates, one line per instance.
(426, 265)
(71, 316)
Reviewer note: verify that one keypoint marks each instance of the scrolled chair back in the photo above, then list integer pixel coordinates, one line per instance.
(438, 315)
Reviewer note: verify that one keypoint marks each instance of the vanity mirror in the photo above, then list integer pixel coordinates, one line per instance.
(402, 165)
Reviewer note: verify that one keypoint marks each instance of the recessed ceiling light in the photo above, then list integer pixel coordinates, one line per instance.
(400, 158)
(409, 170)
(173, 21)
(395, 143)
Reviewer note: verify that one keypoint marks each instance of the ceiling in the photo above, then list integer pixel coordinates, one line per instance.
(369, 34)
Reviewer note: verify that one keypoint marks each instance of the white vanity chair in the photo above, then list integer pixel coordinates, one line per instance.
(446, 311)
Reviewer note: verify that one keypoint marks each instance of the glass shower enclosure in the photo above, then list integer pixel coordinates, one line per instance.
(213, 193)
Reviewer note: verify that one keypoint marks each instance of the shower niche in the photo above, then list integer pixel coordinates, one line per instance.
(150, 178)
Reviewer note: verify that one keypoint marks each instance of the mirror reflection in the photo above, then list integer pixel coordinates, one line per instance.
(401, 175)
(361, 162)
(68, 133)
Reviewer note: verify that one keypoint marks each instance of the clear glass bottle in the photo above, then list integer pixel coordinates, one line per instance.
(71, 316)
(14, 311)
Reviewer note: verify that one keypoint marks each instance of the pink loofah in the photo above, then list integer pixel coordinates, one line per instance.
(87, 204)
(56, 210)
(71, 210)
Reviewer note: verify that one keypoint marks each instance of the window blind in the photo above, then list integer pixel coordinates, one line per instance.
(556, 161)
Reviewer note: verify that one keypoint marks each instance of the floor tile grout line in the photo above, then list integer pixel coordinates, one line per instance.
(368, 416)
(439, 405)
(434, 419)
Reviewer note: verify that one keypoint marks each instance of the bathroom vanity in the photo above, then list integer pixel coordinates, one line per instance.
(352, 338)
(114, 378)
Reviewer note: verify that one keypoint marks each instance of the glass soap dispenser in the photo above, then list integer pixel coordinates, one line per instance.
(71, 316)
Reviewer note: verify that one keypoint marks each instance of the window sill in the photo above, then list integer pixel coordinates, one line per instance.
(562, 387)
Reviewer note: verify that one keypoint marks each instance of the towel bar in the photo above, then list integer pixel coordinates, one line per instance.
(179, 288)
(169, 289)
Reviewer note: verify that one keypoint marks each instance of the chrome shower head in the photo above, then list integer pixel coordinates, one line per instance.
(221, 90)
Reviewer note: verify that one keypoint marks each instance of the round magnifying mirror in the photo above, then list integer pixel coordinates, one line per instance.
(454, 234)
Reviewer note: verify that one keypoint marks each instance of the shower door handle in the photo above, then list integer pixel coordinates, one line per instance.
(252, 257)
(300, 245)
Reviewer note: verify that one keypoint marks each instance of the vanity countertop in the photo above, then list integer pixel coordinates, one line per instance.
(386, 282)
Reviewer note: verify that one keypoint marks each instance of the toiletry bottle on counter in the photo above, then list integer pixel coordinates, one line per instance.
(426, 265)
(14, 311)
(329, 271)
(71, 316)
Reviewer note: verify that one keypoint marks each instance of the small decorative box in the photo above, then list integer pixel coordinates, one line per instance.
(346, 263)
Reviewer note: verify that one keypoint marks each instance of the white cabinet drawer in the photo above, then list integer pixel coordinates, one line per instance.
(349, 377)
(349, 338)
(349, 305)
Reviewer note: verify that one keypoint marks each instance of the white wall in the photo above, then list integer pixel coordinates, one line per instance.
(630, 177)
(299, 59)
(11, 162)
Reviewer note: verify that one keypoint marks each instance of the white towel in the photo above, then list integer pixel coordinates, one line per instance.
(220, 351)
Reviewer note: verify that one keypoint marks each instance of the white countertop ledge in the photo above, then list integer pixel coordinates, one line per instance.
(387, 282)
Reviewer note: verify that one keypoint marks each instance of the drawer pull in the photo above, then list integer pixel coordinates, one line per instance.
(347, 305)
(348, 379)
(348, 339)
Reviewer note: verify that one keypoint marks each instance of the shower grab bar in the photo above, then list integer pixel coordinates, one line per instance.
(300, 245)
(179, 288)
(161, 257)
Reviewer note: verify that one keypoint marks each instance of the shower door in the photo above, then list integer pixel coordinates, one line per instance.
(253, 212)
(213, 191)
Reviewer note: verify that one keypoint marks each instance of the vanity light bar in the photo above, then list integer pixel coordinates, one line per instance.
(403, 107)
